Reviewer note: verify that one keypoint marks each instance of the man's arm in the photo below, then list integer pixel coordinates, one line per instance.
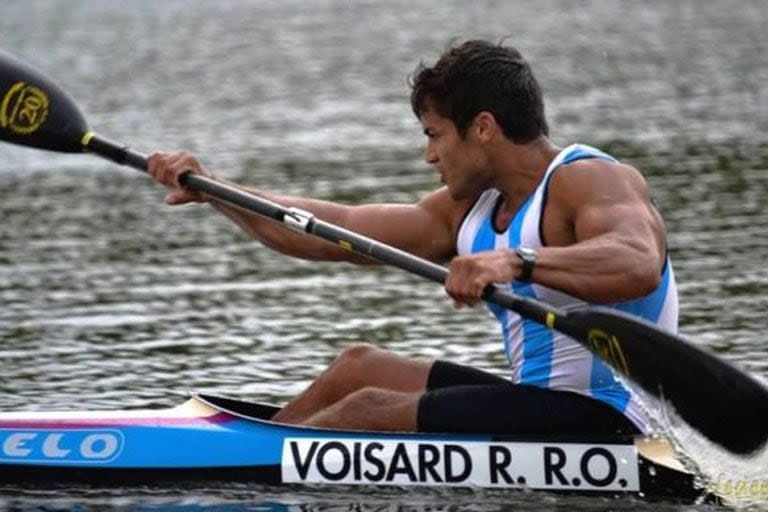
(605, 240)
(618, 246)
(426, 228)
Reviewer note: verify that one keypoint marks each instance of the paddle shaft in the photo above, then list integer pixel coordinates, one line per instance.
(305, 222)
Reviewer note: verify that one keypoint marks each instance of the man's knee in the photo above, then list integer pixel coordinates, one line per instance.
(364, 365)
(354, 360)
(358, 352)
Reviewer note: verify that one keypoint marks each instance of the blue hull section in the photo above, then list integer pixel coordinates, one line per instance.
(224, 438)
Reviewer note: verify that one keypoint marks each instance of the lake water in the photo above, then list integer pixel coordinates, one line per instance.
(109, 299)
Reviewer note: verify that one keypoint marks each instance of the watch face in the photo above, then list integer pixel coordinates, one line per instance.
(527, 253)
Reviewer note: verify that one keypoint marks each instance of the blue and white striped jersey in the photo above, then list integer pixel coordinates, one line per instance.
(537, 355)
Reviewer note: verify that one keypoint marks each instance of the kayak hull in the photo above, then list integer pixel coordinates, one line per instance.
(214, 438)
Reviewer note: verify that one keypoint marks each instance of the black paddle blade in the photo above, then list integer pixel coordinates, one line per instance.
(36, 112)
(725, 404)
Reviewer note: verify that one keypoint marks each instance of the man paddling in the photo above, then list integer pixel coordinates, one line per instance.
(567, 226)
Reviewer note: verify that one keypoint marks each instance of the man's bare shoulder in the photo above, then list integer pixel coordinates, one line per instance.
(598, 180)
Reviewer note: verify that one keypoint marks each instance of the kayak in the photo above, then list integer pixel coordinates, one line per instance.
(216, 438)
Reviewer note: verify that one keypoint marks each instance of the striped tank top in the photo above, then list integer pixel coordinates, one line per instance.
(537, 355)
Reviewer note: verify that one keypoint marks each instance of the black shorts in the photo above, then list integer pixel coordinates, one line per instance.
(468, 400)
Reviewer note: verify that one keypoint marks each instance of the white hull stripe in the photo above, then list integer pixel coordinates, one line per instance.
(552, 466)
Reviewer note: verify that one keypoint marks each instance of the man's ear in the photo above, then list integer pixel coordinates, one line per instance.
(485, 126)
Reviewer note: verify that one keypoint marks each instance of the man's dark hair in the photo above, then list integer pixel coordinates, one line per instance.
(478, 76)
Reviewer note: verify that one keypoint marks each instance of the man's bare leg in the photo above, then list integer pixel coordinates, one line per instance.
(371, 409)
(358, 367)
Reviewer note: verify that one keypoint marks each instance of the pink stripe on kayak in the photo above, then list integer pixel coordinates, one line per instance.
(76, 423)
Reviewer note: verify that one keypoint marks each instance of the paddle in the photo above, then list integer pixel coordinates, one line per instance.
(725, 404)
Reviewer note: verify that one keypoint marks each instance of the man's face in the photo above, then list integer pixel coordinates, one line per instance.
(461, 162)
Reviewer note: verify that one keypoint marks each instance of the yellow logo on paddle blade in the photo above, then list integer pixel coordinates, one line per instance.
(608, 348)
(24, 108)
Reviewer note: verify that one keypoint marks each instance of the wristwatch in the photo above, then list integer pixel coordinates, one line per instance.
(528, 256)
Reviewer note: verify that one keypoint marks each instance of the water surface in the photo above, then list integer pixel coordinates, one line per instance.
(112, 300)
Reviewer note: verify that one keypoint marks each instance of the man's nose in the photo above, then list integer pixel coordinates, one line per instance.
(430, 155)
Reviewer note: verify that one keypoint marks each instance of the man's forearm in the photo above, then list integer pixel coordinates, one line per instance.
(280, 238)
(600, 270)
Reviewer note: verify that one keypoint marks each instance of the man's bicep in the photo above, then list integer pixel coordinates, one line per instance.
(618, 207)
(424, 228)
(620, 220)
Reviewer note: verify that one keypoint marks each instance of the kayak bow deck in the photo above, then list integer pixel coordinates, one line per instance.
(215, 438)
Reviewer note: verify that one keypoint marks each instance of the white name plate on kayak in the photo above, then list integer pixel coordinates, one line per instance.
(571, 466)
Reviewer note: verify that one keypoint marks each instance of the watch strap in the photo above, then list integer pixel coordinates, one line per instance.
(528, 258)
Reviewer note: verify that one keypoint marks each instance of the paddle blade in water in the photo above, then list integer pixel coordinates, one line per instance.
(722, 402)
(36, 112)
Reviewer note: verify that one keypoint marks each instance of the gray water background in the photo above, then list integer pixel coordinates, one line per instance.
(109, 299)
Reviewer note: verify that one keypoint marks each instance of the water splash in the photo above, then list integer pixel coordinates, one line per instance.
(741, 481)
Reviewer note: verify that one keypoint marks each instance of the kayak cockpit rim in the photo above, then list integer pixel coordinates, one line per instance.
(239, 408)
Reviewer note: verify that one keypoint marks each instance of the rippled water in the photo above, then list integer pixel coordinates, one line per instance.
(110, 299)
